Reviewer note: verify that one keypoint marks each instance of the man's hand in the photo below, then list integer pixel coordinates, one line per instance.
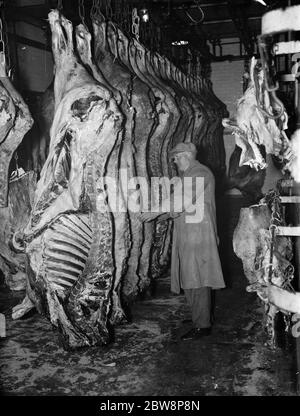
(148, 216)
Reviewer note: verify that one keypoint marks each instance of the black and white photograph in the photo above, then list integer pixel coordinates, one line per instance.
(149, 202)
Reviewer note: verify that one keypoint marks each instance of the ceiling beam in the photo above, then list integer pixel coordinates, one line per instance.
(212, 22)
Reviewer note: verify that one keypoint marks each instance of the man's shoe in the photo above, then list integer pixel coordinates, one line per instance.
(196, 333)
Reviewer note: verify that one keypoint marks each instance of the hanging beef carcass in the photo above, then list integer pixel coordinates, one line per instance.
(15, 121)
(144, 122)
(256, 128)
(184, 132)
(175, 118)
(197, 90)
(253, 244)
(137, 106)
(69, 238)
(121, 221)
(160, 134)
(169, 118)
(172, 77)
(200, 116)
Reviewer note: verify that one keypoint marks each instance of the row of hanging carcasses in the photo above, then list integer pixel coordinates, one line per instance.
(85, 263)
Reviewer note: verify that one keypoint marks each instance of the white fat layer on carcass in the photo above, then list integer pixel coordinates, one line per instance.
(294, 166)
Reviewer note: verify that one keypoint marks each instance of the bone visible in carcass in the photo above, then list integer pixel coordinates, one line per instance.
(120, 216)
(15, 121)
(69, 238)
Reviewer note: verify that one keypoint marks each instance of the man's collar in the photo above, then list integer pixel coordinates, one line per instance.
(192, 164)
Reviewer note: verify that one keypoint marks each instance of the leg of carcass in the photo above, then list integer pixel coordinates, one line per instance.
(20, 310)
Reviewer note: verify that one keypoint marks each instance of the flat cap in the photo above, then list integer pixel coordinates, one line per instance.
(183, 147)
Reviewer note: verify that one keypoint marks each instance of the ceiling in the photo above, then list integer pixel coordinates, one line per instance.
(199, 22)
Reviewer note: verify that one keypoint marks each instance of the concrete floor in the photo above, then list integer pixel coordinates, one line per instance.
(148, 357)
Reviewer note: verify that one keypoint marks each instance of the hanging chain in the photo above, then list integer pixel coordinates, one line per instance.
(118, 12)
(59, 5)
(135, 28)
(93, 11)
(128, 18)
(81, 11)
(108, 9)
(96, 9)
(196, 22)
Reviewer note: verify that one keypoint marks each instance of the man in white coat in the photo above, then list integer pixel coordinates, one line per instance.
(195, 265)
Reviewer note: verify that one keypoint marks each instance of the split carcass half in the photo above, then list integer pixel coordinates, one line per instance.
(171, 120)
(137, 107)
(122, 235)
(144, 122)
(170, 117)
(15, 122)
(69, 238)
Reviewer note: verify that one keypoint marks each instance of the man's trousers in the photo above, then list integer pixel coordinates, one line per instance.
(199, 300)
